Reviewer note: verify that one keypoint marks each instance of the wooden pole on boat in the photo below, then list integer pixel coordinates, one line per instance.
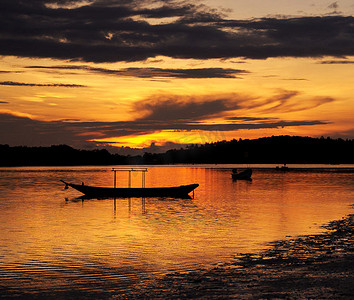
(115, 178)
(130, 178)
(143, 179)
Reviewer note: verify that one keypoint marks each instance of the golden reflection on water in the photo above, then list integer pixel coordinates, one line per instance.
(47, 242)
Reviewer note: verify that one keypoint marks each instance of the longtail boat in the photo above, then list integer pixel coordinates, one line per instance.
(93, 191)
(125, 192)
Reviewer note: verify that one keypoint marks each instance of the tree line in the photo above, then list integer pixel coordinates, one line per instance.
(275, 149)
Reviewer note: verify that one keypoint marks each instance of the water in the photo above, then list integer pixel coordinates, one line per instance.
(53, 244)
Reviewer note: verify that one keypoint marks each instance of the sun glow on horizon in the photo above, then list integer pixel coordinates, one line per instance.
(163, 138)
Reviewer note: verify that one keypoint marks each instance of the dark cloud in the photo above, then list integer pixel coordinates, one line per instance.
(110, 31)
(10, 72)
(334, 6)
(173, 108)
(339, 62)
(25, 131)
(12, 83)
(188, 113)
(155, 72)
(4, 102)
(248, 119)
(15, 130)
(295, 79)
(158, 113)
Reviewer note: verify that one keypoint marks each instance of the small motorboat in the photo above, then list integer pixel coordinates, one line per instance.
(243, 175)
(283, 168)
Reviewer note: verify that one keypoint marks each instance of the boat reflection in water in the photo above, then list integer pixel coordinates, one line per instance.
(84, 198)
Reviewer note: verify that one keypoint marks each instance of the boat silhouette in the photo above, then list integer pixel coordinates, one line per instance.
(93, 191)
(244, 175)
(181, 191)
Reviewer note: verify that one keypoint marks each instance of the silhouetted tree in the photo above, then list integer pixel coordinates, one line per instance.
(275, 149)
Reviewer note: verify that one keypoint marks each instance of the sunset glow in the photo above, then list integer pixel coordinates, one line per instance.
(176, 74)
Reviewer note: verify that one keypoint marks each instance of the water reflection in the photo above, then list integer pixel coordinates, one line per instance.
(82, 200)
(49, 244)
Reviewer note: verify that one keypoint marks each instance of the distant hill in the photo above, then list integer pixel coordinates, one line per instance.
(59, 155)
(275, 149)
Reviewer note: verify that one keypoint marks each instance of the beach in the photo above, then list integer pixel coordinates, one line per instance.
(306, 267)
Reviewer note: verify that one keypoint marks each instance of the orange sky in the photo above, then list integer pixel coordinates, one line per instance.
(193, 77)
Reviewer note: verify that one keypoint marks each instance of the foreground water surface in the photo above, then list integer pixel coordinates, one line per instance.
(53, 243)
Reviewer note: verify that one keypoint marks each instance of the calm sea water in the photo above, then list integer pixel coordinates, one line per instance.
(55, 245)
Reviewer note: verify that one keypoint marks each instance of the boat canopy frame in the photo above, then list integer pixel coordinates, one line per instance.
(130, 170)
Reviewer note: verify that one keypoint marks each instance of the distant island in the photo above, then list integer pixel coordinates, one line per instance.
(275, 149)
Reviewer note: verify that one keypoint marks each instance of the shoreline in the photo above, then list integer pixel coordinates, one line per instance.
(306, 267)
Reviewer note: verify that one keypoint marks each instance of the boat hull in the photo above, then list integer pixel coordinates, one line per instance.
(175, 192)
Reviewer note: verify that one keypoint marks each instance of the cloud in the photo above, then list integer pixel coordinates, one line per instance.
(155, 72)
(333, 6)
(12, 83)
(163, 113)
(4, 102)
(111, 31)
(288, 101)
(295, 79)
(169, 108)
(26, 131)
(339, 62)
(248, 119)
(17, 130)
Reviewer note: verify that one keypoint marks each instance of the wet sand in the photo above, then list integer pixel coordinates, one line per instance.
(308, 267)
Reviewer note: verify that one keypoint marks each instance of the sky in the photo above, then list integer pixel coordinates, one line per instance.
(154, 75)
